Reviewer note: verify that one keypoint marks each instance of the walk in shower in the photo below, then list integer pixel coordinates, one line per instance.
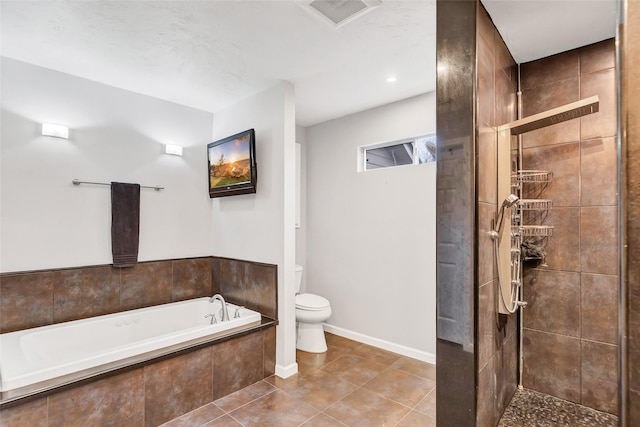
(561, 164)
(534, 334)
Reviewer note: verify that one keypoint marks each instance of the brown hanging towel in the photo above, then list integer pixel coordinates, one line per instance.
(125, 223)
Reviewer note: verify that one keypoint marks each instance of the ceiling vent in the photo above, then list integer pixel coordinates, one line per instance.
(340, 12)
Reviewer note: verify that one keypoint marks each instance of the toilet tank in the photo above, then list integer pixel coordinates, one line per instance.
(298, 277)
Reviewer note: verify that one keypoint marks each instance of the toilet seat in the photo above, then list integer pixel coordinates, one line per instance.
(311, 302)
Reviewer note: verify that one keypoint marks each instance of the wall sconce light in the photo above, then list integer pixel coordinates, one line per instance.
(57, 131)
(174, 150)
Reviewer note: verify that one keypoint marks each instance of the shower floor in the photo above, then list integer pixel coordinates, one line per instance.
(532, 409)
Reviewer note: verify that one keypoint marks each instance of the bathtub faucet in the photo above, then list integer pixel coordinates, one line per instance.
(225, 314)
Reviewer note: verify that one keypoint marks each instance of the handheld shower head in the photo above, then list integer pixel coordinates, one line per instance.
(511, 200)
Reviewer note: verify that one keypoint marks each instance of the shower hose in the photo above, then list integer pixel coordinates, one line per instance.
(513, 307)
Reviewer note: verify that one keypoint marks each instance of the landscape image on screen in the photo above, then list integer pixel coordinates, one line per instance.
(229, 163)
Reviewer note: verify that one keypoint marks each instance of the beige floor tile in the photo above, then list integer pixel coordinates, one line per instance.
(417, 419)
(318, 389)
(225, 421)
(319, 359)
(323, 420)
(276, 409)
(428, 404)
(400, 386)
(196, 417)
(290, 383)
(416, 367)
(377, 354)
(344, 344)
(241, 397)
(364, 408)
(355, 369)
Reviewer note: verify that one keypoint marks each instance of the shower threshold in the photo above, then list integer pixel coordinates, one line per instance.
(532, 409)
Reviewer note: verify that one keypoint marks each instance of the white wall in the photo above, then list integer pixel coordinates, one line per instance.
(260, 227)
(301, 232)
(116, 135)
(371, 235)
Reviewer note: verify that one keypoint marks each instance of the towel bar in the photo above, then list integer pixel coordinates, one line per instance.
(78, 182)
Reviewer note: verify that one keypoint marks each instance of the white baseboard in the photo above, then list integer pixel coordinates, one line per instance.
(385, 345)
(286, 371)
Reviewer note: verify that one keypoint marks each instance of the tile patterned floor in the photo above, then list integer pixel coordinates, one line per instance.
(352, 384)
(532, 409)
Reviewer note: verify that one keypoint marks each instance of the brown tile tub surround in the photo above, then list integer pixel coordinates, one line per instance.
(117, 400)
(153, 394)
(85, 293)
(39, 298)
(27, 301)
(148, 284)
(570, 335)
(251, 284)
(178, 385)
(192, 278)
(161, 390)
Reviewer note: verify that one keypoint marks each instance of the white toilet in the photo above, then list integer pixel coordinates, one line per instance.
(311, 311)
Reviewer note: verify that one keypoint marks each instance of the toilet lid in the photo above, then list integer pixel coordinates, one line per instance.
(311, 302)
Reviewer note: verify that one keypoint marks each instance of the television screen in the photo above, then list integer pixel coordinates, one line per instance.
(232, 165)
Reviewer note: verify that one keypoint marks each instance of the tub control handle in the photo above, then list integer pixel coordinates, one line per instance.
(213, 318)
(236, 315)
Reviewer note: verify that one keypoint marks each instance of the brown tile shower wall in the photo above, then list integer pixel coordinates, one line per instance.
(630, 53)
(570, 324)
(497, 337)
(156, 393)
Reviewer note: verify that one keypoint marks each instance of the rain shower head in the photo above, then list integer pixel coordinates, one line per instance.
(554, 116)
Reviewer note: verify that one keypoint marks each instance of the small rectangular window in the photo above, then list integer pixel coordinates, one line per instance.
(410, 151)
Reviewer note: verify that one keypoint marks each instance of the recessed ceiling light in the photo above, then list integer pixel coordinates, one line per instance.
(392, 79)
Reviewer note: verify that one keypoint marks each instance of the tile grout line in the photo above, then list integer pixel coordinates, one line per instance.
(337, 401)
(403, 417)
(251, 401)
(423, 399)
(390, 399)
(234, 419)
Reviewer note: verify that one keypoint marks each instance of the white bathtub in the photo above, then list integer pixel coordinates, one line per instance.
(98, 344)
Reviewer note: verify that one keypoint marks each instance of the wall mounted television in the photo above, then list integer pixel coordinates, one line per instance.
(232, 165)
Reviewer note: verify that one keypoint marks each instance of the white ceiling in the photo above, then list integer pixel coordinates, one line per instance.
(209, 54)
(535, 29)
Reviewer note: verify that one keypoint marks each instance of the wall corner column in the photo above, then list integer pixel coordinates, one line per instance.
(456, 212)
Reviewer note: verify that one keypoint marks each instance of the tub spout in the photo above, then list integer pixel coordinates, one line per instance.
(225, 313)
